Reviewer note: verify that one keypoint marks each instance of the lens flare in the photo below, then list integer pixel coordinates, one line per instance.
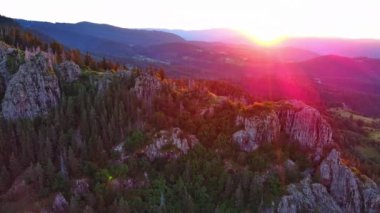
(264, 37)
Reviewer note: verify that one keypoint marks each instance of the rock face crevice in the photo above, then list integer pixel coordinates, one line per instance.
(32, 91)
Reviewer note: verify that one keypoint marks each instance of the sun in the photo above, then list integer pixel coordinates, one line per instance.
(264, 37)
(267, 40)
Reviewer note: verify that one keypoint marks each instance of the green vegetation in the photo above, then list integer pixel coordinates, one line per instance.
(14, 60)
(136, 140)
(86, 126)
(359, 137)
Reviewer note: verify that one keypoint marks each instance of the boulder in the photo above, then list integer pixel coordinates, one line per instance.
(68, 71)
(32, 91)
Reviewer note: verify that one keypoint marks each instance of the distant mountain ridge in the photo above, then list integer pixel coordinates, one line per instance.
(290, 71)
(323, 46)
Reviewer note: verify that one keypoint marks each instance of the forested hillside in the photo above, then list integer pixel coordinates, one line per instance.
(79, 134)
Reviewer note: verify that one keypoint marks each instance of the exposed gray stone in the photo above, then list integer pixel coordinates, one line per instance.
(307, 197)
(351, 193)
(32, 91)
(306, 125)
(300, 122)
(68, 71)
(170, 144)
(60, 203)
(257, 130)
(146, 86)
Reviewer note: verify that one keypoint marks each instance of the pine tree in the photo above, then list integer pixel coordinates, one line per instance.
(5, 178)
(239, 197)
(123, 206)
(14, 165)
(49, 171)
(73, 163)
(39, 176)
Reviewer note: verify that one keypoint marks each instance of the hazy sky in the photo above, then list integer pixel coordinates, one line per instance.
(264, 18)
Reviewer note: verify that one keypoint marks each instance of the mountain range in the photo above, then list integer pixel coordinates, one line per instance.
(170, 125)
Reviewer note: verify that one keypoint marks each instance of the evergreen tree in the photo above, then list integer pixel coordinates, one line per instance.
(5, 178)
(239, 197)
(14, 165)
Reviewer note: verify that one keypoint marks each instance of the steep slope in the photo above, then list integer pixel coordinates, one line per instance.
(341, 191)
(32, 90)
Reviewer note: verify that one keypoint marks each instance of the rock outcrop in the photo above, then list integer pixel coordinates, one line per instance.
(170, 144)
(146, 86)
(302, 123)
(308, 197)
(257, 130)
(32, 91)
(68, 71)
(350, 192)
(340, 190)
(305, 125)
(60, 203)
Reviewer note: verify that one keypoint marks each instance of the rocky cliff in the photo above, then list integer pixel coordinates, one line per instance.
(146, 87)
(353, 192)
(308, 197)
(257, 130)
(340, 190)
(302, 123)
(32, 91)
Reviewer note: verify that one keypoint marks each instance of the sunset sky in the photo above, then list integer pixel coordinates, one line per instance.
(265, 19)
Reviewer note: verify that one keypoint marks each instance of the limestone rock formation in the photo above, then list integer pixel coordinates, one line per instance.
(32, 91)
(306, 125)
(146, 86)
(307, 197)
(68, 71)
(300, 122)
(170, 144)
(351, 193)
(60, 203)
(257, 130)
(340, 190)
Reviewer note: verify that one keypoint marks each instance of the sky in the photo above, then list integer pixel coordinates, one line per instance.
(263, 19)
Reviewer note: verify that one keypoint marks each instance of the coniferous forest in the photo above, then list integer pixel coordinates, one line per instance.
(131, 139)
